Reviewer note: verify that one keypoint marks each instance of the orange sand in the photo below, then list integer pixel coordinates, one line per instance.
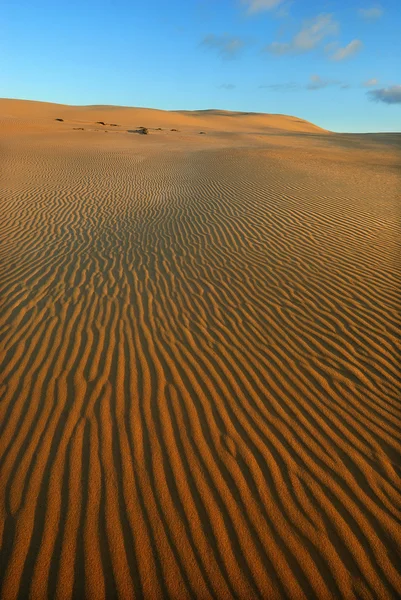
(200, 343)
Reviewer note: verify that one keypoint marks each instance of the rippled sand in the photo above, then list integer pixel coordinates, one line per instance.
(200, 343)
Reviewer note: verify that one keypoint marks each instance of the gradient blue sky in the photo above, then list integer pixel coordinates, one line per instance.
(336, 63)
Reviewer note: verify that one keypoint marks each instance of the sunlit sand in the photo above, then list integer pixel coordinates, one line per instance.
(200, 344)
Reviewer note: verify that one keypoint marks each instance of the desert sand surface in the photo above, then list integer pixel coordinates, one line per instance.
(200, 349)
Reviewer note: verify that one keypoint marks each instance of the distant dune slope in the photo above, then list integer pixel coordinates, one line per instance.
(200, 349)
(216, 119)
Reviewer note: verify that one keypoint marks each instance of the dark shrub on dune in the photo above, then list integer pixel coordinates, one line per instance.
(59, 119)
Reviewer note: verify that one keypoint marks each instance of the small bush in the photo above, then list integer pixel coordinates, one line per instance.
(173, 129)
(59, 120)
(144, 130)
(202, 133)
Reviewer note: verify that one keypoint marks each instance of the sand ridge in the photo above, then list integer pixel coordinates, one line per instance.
(200, 348)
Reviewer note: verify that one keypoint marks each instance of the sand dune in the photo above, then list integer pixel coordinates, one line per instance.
(200, 340)
(216, 120)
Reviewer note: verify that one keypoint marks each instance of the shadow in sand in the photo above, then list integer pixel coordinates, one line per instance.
(140, 131)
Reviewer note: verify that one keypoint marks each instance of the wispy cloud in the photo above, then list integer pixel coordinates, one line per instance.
(227, 46)
(281, 87)
(389, 95)
(257, 6)
(371, 14)
(312, 32)
(348, 50)
(278, 48)
(316, 82)
(284, 10)
(370, 82)
(227, 86)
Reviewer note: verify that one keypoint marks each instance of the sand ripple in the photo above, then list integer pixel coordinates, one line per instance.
(201, 390)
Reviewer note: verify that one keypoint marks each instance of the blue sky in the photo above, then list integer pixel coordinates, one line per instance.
(335, 63)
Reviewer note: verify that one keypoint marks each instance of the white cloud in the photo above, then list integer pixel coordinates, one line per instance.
(313, 31)
(370, 82)
(256, 6)
(390, 95)
(371, 14)
(227, 46)
(348, 50)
